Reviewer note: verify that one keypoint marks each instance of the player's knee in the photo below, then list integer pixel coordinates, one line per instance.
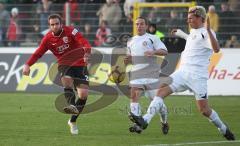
(134, 98)
(205, 111)
(83, 93)
(162, 92)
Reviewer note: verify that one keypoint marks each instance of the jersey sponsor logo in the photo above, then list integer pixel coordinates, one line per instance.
(62, 48)
(74, 32)
(65, 39)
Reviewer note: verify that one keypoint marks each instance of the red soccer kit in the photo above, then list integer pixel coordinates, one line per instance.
(69, 47)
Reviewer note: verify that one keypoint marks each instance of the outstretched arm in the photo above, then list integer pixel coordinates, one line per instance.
(213, 40)
(179, 33)
(34, 57)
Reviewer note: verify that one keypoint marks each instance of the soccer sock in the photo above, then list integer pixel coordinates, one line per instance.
(69, 95)
(214, 118)
(80, 105)
(135, 108)
(153, 108)
(163, 113)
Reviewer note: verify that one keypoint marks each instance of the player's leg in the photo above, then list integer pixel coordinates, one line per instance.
(82, 91)
(69, 94)
(67, 83)
(163, 113)
(135, 107)
(157, 104)
(135, 93)
(175, 84)
(199, 87)
(213, 117)
(81, 84)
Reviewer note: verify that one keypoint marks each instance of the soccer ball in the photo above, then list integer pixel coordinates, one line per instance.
(117, 75)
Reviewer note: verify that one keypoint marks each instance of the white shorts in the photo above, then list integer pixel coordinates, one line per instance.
(182, 81)
(150, 86)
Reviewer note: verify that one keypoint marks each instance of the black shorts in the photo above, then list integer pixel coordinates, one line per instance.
(78, 73)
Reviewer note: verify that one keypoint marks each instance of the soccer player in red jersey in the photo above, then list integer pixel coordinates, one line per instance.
(72, 51)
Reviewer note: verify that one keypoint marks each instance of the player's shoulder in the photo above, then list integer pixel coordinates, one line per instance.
(70, 30)
(48, 35)
(204, 32)
(151, 36)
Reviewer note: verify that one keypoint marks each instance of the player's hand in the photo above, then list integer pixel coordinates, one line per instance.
(127, 59)
(149, 53)
(173, 32)
(26, 70)
(86, 57)
(207, 23)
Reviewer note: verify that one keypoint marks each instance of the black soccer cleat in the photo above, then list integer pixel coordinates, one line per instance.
(165, 128)
(138, 120)
(229, 135)
(71, 109)
(135, 129)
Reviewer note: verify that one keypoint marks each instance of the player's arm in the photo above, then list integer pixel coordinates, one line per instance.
(160, 52)
(213, 40)
(128, 57)
(34, 57)
(159, 48)
(84, 42)
(179, 33)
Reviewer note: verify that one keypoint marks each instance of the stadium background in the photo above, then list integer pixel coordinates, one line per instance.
(27, 104)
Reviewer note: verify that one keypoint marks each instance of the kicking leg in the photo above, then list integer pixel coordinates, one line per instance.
(162, 112)
(155, 106)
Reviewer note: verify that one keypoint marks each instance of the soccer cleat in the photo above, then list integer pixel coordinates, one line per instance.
(138, 120)
(135, 129)
(229, 135)
(71, 109)
(73, 127)
(165, 128)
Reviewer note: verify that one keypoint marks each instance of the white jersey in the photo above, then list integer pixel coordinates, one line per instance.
(196, 56)
(140, 44)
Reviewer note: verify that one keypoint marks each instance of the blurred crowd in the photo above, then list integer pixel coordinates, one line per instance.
(24, 22)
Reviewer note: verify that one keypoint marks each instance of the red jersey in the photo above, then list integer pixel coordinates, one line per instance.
(69, 47)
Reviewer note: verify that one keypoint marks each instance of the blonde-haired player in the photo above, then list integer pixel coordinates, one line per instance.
(193, 71)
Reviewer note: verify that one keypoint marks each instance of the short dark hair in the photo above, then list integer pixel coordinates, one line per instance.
(54, 16)
(145, 19)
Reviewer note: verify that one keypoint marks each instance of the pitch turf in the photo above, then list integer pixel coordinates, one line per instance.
(32, 120)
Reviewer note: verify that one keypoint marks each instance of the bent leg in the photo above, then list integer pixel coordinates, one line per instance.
(157, 104)
(82, 91)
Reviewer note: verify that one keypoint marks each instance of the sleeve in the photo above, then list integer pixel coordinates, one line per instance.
(81, 40)
(38, 53)
(181, 34)
(158, 44)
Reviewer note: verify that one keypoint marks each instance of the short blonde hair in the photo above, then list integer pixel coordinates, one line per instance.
(199, 11)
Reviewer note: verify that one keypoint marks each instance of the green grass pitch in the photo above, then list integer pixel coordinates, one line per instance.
(32, 120)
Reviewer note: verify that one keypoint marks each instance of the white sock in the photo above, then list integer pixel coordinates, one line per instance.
(214, 118)
(153, 108)
(135, 108)
(163, 113)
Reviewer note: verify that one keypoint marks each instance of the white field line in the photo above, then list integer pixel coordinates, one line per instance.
(196, 143)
